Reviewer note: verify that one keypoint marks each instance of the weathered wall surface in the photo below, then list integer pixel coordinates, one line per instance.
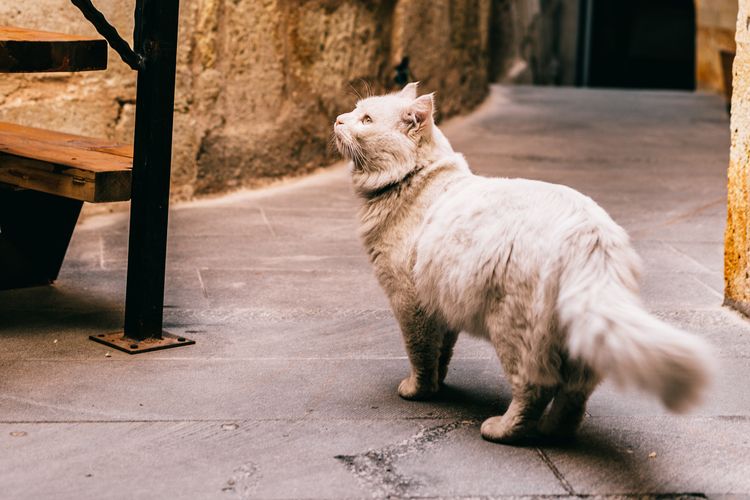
(716, 20)
(534, 41)
(259, 81)
(737, 247)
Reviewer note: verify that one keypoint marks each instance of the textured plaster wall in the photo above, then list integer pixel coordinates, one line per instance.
(716, 20)
(259, 81)
(737, 249)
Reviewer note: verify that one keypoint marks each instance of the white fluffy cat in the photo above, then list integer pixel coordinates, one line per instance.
(538, 269)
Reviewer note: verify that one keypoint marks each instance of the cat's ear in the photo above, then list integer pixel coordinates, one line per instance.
(419, 115)
(410, 91)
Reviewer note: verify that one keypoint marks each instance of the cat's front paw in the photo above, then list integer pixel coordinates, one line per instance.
(410, 388)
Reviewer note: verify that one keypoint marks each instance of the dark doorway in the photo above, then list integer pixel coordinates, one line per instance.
(638, 44)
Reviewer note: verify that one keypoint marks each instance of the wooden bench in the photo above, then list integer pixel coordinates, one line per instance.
(45, 175)
(32, 51)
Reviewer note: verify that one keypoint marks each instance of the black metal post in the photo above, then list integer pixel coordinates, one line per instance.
(154, 55)
(156, 40)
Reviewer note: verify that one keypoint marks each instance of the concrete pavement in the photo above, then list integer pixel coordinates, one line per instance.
(290, 391)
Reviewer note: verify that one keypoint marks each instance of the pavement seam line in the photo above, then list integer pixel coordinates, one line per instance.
(670, 246)
(300, 419)
(639, 233)
(267, 222)
(203, 285)
(303, 418)
(708, 287)
(559, 475)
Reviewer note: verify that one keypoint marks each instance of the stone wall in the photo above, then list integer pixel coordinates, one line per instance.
(737, 247)
(259, 81)
(716, 20)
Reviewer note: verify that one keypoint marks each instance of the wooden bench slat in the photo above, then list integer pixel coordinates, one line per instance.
(98, 155)
(83, 168)
(32, 51)
(15, 34)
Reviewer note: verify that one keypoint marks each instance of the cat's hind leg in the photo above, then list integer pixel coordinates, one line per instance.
(525, 349)
(521, 419)
(567, 410)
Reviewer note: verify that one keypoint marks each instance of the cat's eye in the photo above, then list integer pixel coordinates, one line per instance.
(366, 119)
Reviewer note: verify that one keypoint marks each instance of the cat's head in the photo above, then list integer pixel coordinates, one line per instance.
(384, 135)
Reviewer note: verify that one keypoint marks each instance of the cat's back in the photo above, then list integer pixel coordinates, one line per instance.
(483, 231)
(492, 207)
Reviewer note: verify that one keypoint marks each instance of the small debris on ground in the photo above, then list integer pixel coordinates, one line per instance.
(652, 454)
(107, 355)
(17, 434)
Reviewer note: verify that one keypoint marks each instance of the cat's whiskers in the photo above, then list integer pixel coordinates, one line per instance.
(368, 88)
(357, 153)
(354, 92)
(331, 144)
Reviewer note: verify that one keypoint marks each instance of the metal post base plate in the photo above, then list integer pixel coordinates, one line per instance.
(117, 340)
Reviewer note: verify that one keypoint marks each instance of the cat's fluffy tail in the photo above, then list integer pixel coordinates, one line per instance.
(609, 330)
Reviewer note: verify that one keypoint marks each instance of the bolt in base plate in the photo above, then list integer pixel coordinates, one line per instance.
(119, 341)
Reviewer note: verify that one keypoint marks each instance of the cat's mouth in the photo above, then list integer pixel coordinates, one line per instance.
(340, 145)
(348, 148)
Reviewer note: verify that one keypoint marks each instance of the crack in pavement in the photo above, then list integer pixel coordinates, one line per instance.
(559, 475)
(376, 469)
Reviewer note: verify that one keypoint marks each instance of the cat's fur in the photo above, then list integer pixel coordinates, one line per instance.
(538, 269)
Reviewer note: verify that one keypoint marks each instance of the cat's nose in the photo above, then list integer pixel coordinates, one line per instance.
(339, 121)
